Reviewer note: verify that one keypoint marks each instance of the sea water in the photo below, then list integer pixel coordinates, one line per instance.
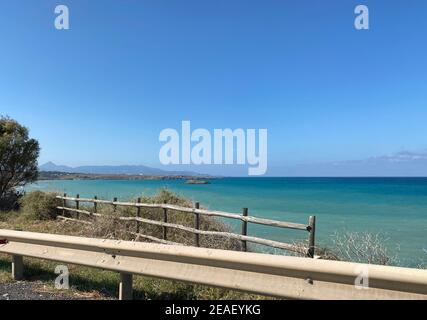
(394, 207)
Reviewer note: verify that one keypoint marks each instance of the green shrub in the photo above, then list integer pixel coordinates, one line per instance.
(10, 201)
(166, 196)
(40, 205)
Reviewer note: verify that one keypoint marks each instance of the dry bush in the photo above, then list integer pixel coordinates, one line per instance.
(40, 205)
(422, 261)
(108, 225)
(363, 248)
(182, 218)
(355, 247)
(422, 265)
(326, 254)
(218, 242)
(302, 246)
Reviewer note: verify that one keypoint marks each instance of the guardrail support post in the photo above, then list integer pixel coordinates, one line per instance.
(17, 267)
(197, 224)
(244, 229)
(125, 287)
(311, 244)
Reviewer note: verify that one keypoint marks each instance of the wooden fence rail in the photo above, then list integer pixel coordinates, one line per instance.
(197, 212)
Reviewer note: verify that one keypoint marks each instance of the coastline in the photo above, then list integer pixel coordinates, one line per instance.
(57, 175)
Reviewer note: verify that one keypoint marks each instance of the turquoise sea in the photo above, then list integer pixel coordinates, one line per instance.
(395, 207)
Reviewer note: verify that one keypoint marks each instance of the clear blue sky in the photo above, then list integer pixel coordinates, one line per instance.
(101, 92)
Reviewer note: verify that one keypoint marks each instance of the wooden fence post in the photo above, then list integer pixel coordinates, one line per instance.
(138, 214)
(244, 229)
(95, 205)
(64, 204)
(114, 206)
(116, 222)
(197, 224)
(165, 219)
(77, 206)
(311, 244)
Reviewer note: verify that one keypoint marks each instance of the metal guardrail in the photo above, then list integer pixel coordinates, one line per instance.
(280, 276)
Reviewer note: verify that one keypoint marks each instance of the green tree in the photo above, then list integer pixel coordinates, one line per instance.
(18, 156)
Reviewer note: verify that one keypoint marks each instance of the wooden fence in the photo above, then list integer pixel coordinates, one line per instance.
(245, 219)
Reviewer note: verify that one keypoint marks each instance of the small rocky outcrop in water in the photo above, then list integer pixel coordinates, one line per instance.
(197, 182)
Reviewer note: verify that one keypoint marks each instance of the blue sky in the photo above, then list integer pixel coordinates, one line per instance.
(101, 92)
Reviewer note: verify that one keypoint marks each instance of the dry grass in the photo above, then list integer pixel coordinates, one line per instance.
(110, 227)
(321, 252)
(39, 205)
(363, 248)
(354, 247)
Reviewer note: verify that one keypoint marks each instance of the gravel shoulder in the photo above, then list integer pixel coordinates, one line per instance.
(24, 290)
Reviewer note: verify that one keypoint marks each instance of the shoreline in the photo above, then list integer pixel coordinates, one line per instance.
(56, 175)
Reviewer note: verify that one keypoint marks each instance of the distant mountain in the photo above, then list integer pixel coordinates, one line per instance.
(50, 166)
(401, 164)
(124, 169)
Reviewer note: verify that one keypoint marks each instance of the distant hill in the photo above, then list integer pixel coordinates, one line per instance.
(124, 170)
(401, 164)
